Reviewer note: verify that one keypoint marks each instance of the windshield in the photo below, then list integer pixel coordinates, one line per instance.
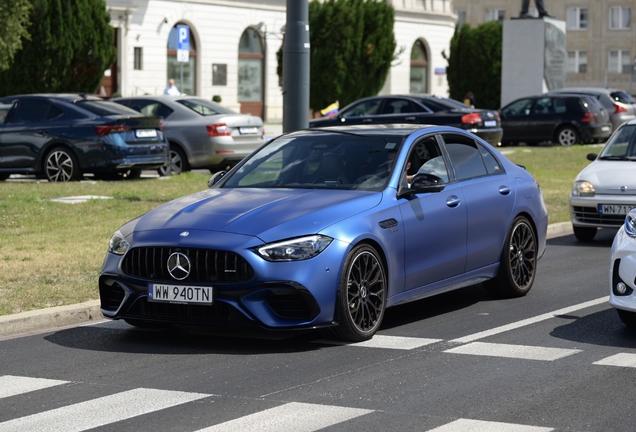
(621, 145)
(106, 108)
(319, 161)
(205, 108)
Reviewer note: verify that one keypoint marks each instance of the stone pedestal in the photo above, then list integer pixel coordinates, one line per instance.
(533, 57)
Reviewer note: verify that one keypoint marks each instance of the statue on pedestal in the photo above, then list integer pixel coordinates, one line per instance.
(540, 7)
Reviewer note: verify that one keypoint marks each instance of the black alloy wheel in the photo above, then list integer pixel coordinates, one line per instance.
(518, 264)
(361, 296)
(61, 165)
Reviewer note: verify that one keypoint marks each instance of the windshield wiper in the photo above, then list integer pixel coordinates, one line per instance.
(615, 158)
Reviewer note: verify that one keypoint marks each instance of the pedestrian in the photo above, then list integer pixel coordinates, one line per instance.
(525, 4)
(469, 99)
(171, 89)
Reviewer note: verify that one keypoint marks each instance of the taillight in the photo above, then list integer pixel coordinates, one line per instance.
(588, 117)
(108, 129)
(219, 129)
(619, 109)
(472, 119)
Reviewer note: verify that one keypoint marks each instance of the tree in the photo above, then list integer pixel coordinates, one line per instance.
(14, 16)
(474, 64)
(352, 46)
(70, 47)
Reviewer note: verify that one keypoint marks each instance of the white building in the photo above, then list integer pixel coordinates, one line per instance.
(233, 45)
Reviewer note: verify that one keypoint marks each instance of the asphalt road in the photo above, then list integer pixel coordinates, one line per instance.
(557, 359)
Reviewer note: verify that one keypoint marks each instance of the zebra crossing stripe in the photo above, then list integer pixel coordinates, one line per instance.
(466, 425)
(621, 359)
(101, 411)
(386, 342)
(15, 385)
(291, 417)
(513, 351)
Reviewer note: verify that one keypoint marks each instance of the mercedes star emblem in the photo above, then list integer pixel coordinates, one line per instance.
(178, 266)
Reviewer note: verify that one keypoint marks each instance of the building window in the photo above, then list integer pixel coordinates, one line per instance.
(183, 73)
(138, 56)
(461, 18)
(251, 78)
(495, 14)
(620, 17)
(619, 62)
(419, 69)
(577, 61)
(577, 18)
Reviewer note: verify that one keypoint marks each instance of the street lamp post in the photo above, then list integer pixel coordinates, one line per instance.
(296, 67)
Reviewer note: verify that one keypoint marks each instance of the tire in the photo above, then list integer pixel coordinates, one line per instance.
(584, 234)
(628, 318)
(178, 163)
(362, 293)
(568, 136)
(518, 264)
(3, 177)
(60, 165)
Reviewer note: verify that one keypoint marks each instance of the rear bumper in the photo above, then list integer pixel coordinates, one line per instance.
(492, 135)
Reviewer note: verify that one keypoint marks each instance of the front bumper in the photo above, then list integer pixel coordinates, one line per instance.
(623, 269)
(584, 211)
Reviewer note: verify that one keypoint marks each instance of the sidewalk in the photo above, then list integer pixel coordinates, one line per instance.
(50, 319)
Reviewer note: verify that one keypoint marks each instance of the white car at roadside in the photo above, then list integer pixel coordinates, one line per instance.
(622, 271)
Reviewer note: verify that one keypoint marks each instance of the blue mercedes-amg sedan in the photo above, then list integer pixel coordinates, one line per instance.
(326, 228)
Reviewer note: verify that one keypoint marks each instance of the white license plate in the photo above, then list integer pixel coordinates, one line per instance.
(145, 133)
(605, 128)
(248, 130)
(181, 294)
(490, 123)
(617, 209)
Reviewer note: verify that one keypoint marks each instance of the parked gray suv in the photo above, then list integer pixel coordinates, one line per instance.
(620, 105)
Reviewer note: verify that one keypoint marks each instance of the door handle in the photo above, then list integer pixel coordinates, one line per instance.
(504, 190)
(367, 120)
(452, 201)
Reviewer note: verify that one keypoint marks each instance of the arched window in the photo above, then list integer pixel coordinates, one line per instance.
(251, 72)
(181, 72)
(419, 68)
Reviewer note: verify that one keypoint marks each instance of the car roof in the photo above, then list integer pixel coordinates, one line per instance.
(587, 90)
(398, 130)
(70, 97)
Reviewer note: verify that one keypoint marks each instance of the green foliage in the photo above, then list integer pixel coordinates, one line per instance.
(474, 64)
(70, 47)
(352, 46)
(14, 16)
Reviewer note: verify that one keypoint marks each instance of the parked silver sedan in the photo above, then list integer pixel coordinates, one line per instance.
(202, 133)
(605, 191)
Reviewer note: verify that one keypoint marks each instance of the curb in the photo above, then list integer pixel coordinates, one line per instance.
(87, 312)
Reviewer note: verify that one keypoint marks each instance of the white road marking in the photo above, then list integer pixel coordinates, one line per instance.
(291, 417)
(101, 411)
(513, 351)
(466, 425)
(386, 342)
(15, 385)
(529, 321)
(621, 359)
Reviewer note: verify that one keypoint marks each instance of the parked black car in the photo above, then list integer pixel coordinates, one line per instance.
(62, 136)
(419, 109)
(565, 119)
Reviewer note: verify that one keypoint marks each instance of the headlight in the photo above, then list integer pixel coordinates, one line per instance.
(630, 224)
(118, 244)
(583, 188)
(295, 249)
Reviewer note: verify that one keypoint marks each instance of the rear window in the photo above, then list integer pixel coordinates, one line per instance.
(205, 108)
(106, 108)
(622, 97)
(441, 104)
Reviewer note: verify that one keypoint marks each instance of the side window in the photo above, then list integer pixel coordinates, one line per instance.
(559, 106)
(426, 158)
(465, 156)
(5, 106)
(369, 107)
(35, 110)
(543, 106)
(518, 108)
(397, 106)
(492, 164)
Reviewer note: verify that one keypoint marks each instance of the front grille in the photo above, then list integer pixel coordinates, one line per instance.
(592, 216)
(208, 266)
(218, 313)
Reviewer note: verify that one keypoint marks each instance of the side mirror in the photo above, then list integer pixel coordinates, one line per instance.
(216, 178)
(591, 156)
(423, 183)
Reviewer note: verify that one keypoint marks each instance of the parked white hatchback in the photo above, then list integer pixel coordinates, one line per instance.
(622, 272)
(604, 192)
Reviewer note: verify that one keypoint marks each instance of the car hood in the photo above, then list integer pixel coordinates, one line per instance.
(609, 176)
(270, 214)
